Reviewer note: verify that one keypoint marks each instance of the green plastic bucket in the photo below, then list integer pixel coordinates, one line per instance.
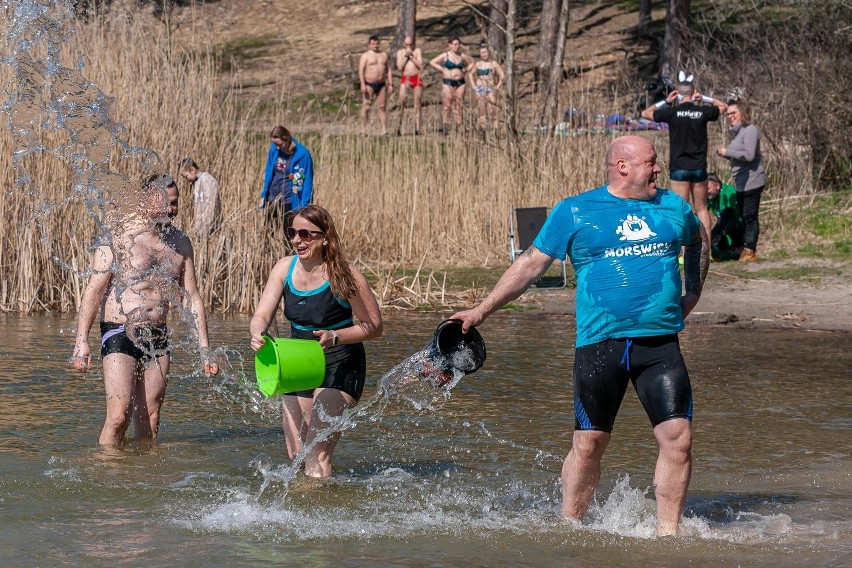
(283, 365)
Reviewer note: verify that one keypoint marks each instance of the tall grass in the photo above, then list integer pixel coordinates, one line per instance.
(413, 201)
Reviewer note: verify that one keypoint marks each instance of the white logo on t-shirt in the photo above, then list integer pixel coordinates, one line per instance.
(634, 229)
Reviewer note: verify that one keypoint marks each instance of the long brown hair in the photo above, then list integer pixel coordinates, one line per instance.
(343, 283)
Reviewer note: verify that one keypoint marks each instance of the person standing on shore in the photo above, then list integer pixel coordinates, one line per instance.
(288, 180)
(409, 61)
(623, 240)
(206, 208)
(321, 292)
(453, 66)
(488, 77)
(149, 267)
(687, 113)
(376, 77)
(747, 170)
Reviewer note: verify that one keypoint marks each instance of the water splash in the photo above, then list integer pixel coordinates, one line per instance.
(56, 115)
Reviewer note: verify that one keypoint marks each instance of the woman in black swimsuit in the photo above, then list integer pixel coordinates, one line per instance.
(321, 292)
(453, 66)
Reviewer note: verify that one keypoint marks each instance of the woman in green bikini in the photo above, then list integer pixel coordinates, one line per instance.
(453, 66)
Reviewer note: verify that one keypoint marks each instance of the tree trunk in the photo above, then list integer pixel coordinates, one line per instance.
(511, 107)
(405, 23)
(644, 16)
(676, 40)
(548, 30)
(497, 29)
(550, 94)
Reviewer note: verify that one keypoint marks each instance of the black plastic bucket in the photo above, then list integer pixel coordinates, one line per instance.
(452, 349)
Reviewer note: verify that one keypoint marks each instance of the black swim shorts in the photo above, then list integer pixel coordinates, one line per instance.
(152, 341)
(654, 365)
(345, 370)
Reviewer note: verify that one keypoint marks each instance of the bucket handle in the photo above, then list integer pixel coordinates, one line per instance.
(267, 336)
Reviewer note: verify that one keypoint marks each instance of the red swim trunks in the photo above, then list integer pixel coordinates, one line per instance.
(413, 80)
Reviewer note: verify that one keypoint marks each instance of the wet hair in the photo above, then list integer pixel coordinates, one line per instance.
(373, 38)
(712, 176)
(454, 38)
(745, 110)
(188, 164)
(158, 181)
(340, 277)
(280, 132)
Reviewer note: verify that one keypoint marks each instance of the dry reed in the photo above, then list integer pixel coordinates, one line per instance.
(427, 201)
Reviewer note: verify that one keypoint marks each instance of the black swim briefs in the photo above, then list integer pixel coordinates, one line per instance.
(654, 365)
(152, 342)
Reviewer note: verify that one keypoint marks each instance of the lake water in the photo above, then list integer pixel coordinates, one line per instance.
(473, 480)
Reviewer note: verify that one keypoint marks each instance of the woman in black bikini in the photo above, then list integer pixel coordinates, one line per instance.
(321, 292)
(453, 66)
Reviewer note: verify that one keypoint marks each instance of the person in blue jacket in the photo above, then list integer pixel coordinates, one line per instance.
(288, 182)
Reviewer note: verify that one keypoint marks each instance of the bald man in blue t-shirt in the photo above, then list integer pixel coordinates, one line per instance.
(623, 240)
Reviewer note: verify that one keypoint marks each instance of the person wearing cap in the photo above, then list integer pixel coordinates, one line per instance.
(135, 278)
(687, 113)
(726, 240)
(623, 239)
(321, 293)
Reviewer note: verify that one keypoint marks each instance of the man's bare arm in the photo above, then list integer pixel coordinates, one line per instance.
(195, 303)
(362, 66)
(520, 275)
(90, 305)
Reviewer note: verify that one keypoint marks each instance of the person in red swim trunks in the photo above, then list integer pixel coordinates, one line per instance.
(409, 60)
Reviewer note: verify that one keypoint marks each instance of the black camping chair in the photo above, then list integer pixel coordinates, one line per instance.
(524, 225)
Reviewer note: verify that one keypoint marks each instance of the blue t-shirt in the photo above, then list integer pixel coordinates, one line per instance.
(624, 252)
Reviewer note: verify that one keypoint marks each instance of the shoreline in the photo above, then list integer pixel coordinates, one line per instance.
(825, 305)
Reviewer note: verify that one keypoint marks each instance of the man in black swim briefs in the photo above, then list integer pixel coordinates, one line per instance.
(147, 267)
(623, 240)
(374, 73)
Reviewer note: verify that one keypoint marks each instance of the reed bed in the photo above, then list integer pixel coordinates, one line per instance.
(428, 202)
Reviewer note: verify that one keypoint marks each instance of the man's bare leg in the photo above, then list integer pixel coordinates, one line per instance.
(418, 98)
(581, 472)
(331, 403)
(383, 113)
(673, 471)
(682, 188)
(366, 101)
(403, 96)
(699, 205)
(120, 374)
(295, 416)
(150, 393)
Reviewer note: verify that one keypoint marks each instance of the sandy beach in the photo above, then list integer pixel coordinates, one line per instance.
(823, 303)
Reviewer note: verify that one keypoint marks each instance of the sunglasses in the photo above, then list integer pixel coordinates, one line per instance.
(304, 234)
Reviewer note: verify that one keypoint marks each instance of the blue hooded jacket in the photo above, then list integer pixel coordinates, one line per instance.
(301, 167)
